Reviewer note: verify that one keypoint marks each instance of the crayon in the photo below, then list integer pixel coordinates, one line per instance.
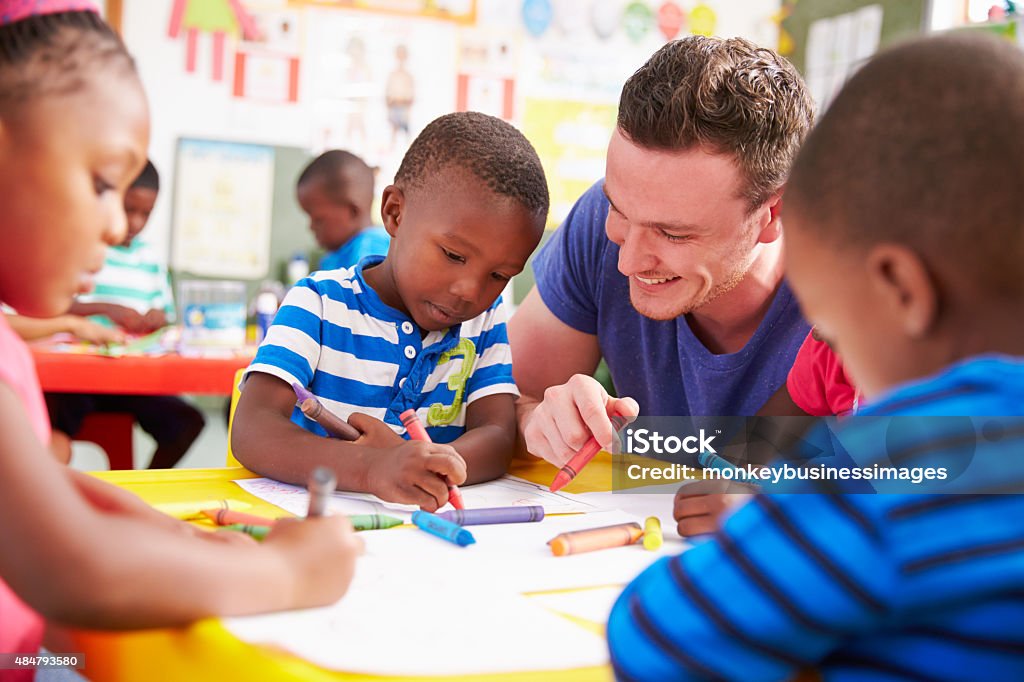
(652, 533)
(479, 517)
(193, 511)
(227, 517)
(605, 537)
(315, 410)
(321, 486)
(709, 460)
(258, 532)
(582, 457)
(416, 431)
(374, 521)
(442, 528)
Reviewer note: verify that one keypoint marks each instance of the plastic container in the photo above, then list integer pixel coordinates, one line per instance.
(213, 317)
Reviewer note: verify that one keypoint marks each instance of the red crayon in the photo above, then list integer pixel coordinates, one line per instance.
(416, 431)
(582, 457)
(228, 517)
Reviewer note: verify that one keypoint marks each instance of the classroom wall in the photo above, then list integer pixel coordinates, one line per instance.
(565, 81)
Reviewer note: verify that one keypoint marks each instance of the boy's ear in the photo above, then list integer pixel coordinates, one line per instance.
(770, 220)
(392, 204)
(905, 287)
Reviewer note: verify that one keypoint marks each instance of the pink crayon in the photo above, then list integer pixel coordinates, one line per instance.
(416, 431)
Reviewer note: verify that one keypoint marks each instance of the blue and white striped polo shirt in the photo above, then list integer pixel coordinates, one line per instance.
(336, 337)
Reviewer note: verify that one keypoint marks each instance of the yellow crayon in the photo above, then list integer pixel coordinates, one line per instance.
(595, 538)
(652, 533)
(193, 511)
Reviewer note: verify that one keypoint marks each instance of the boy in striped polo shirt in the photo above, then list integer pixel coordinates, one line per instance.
(131, 292)
(422, 328)
(904, 242)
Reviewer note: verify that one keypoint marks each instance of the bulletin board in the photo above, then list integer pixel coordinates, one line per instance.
(285, 231)
(900, 19)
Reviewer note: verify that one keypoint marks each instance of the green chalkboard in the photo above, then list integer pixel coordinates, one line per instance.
(900, 19)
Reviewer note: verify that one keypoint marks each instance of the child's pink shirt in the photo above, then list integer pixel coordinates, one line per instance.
(21, 628)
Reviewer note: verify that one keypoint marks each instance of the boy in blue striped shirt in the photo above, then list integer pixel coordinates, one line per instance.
(904, 239)
(422, 328)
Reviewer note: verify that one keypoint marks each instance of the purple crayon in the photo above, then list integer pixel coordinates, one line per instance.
(480, 517)
(315, 410)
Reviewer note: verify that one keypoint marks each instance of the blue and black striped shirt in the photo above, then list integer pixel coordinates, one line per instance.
(856, 586)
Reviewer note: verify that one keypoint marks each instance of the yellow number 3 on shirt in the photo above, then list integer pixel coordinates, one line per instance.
(440, 414)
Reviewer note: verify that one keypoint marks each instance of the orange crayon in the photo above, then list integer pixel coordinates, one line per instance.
(605, 537)
(416, 431)
(228, 517)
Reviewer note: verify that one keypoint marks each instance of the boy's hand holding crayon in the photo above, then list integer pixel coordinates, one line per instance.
(415, 472)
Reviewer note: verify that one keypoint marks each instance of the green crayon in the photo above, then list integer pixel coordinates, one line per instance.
(373, 521)
(258, 532)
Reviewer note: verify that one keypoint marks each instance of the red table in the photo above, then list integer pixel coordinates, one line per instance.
(169, 374)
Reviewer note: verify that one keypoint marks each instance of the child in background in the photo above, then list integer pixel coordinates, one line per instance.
(133, 292)
(904, 239)
(817, 384)
(336, 192)
(74, 127)
(423, 328)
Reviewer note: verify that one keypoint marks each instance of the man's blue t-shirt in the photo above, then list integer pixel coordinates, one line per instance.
(659, 363)
(371, 241)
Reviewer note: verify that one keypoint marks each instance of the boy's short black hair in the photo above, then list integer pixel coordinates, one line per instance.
(149, 178)
(346, 177)
(924, 146)
(54, 53)
(488, 147)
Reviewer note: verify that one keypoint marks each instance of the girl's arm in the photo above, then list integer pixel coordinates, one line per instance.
(81, 555)
(32, 328)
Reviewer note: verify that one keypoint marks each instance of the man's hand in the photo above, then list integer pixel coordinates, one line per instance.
(416, 472)
(569, 415)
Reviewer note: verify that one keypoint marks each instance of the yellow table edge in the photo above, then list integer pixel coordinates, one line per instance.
(187, 653)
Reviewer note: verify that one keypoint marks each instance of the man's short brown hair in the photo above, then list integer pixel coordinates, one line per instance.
(727, 95)
(924, 147)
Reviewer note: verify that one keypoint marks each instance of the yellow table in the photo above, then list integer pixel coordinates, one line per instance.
(206, 651)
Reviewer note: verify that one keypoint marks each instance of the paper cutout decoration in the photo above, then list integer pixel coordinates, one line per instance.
(218, 17)
(637, 20)
(670, 20)
(703, 20)
(537, 15)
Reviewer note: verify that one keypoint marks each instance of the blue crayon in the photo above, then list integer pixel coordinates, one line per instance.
(443, 528)
(480, 517)
(709, 460)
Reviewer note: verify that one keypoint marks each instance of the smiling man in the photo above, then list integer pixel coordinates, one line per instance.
(671, 267)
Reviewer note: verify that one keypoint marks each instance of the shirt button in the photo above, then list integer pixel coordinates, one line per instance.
(410, 352)
(401, 382)
(407, 327)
